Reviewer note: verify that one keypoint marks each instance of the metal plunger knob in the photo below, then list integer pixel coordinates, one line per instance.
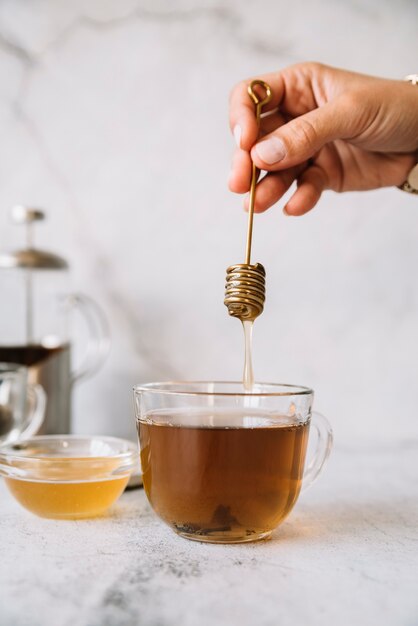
(245, 289)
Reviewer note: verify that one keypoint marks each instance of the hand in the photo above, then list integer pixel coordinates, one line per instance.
(327, 129)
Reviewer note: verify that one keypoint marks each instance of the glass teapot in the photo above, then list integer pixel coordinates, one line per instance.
(35, 323)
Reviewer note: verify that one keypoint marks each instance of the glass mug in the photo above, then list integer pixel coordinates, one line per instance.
(22, 406)
(222, 465)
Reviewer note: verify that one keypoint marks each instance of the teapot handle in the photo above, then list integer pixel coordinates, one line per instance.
(98, 344)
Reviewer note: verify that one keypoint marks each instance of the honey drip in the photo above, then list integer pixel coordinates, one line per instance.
(248, 377)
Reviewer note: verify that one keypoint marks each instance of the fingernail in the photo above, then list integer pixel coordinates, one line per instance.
(237, 135)
(271, 150)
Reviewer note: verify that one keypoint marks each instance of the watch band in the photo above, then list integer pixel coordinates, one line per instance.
(412, 78)
(407, 187)
(410, 185)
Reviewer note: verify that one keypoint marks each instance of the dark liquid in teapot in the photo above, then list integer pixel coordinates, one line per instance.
(28, 355)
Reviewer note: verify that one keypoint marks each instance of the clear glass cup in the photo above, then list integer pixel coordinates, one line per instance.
(226, 466)
(22, 406)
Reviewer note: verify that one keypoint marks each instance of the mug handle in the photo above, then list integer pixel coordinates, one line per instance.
(322, 451)
(98, 345)
(36, 414)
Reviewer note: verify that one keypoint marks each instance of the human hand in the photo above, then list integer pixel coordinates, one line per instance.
(327, 129)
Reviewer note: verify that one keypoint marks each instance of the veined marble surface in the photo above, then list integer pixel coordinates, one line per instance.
(348, 554)
(113, 116)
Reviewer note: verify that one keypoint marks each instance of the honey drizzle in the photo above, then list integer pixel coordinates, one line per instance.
(248, 377)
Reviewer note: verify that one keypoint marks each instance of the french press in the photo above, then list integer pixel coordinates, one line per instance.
(34, 323)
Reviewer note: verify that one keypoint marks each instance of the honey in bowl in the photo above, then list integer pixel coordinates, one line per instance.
(65, 477)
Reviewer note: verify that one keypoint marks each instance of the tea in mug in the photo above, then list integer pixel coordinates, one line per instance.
(222, 475)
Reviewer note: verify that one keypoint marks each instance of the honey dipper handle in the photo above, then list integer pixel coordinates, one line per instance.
(259, 103)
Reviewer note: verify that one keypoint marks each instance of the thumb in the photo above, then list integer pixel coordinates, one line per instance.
(302, 137)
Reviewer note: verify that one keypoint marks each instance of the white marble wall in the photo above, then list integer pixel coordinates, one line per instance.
(113, 116)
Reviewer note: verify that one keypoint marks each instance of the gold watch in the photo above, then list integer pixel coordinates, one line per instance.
(411, 183)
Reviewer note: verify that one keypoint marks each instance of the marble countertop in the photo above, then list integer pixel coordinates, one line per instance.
(348, 554)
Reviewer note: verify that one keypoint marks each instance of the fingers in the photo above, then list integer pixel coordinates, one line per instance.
(239, 179)
(270, 189)
(311, 184)
(242, 112)
(294, 89)
(302, 137)
(240, 176)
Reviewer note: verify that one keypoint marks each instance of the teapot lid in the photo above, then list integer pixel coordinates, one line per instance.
(30, 257)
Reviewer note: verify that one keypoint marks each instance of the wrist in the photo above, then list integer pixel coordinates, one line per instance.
(410, 185)
(412, 82)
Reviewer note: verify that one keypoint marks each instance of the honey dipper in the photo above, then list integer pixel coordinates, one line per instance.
(245, 289)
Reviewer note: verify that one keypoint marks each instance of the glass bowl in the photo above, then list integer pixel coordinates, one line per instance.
(68, 476)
